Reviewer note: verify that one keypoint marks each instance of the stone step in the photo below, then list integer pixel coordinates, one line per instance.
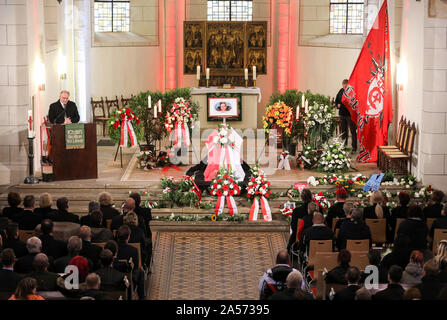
(220, 226)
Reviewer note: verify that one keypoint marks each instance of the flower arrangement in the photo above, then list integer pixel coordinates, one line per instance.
(334, 158)
(258, 185)
(225, 184)
(321, 200)
(180, 192)
(181, 112)
(224, 136)
(117, 118)
(280, 114)
(308, 157)
(145, 160)
(319, 124)
(194, 218)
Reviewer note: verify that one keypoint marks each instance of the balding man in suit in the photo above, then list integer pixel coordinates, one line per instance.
(63, 111)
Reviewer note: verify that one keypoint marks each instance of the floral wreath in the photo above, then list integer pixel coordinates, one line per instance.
(225, 184)
(281, 115)
(120, 116)
(181, 112)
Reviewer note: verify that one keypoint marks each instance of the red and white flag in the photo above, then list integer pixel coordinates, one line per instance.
(368, 96)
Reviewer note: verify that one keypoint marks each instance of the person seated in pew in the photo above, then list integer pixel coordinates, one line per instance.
(337, 274)
(376, 210)
(89, 250)
(111, 279)
(439, 223)
(9, 279)
(144, 215)
(374, 258)
(128, 206)
(136, 234)
(93, 282)
(50, 246)
(415, 228)
(441, 260)
(14, 201)
(293, 289)
(99, 232)
(106, 206)
(74, 247)
(45, 202)
(26, 290)
(412, 294)
(46, 280)
(27, 219)
(307, 220)
(400, 254)
(25, 264)
(86, 220)
(353, 229)
(434, 208)
(353, 278)
(336, 211)
(347, 209)
(117, 265)
(400, 212)
(413, 271)
(318, 231)
(12, 240)
(394, 291)
(62, 214)
(430, 285)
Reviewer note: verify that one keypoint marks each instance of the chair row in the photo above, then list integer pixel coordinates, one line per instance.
(397, 158)
(102, 109)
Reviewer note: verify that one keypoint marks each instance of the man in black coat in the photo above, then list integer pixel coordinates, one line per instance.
(348, 294)
(25, 264)
(345, 118)
(28, 220)
(50, 246)
(111, 279)
(46, 280)
(299, 213)
(128, 206)
(415, 228)
(74, 247)
(144, 215)
(336, 211)
(353, 229)
(394, 291)
(318, 231)
(62, 215)
(440, 223)
(8, 278)
(434, 209)
(63, 111)
(89, 250)
(12, 240)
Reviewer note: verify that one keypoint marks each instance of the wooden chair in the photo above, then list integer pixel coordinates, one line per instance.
(378, 229)
(326, 260)
(112, 105)
(430, 222)
(398, 161)
(125, 101)
(137, 245)
(99, 113)
(398, 146)
(440, 234)
(99, 244)
(24, 235)
(318, 246)
(357, 245)
(398, 222)
(359, 259)
(109, 224)
(334, 223)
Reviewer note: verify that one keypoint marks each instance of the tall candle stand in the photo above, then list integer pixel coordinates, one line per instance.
(31, 179)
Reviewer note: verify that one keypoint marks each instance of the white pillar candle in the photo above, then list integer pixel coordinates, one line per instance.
(297, 112)
(307, 106)
(302, 100)
(155, 111)
(198, 72)
(159, 105)
(246, 73)
(29, 120)
(254, 72)
(207, 73)
(149, 101)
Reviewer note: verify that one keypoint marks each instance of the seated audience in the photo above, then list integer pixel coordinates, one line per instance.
(434, 208)
(111, 279)
(74, 247)
(377, 210)
(128, 206)
(86, 220)
(347, 209)
(9, 279)
(430, 285)
(336, 211)
(400, 255)
(412, 294)
(318, 231)
(83, 266)
(44, 210)
(441, 260)
(14, 201)
(12, 240)
(99, 232)
(136, 233)
(89, 250)
(400, 212)
(413, 271)
(93, 282)
(293, 289)
(113, 247)
(439, 223)
(26, 290)
(25, 264)
(144, 215)
(106, 207)
(394, 291)
(353, 278)
(374, 258)
(299, 213)
(274, 279)
(354, 229)
(46, 281)
(415, 228)
(27, 219)
(50, 246)
(307, 220)
(337, 275)
(62, 214)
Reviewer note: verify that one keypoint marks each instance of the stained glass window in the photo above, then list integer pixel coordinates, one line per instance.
(112, 16)
(223, 10)
(346, 16)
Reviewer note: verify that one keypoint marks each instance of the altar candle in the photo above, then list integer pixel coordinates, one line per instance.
(207, 73)
(297, 112)
(155, 111)
(30, 123)
(198, 72)
(254, 72)
(307, 106)
(302, 101)
(149, 101)
(159, 105)
(246, 73)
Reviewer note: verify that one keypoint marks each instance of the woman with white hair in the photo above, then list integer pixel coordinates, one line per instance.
(25, 264)
(107, 207)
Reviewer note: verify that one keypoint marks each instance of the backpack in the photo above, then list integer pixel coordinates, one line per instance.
(276, 280)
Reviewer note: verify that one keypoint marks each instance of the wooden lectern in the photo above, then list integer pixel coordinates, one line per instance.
(73, 164)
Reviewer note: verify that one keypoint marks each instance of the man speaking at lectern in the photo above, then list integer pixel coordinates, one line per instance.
(63, 111)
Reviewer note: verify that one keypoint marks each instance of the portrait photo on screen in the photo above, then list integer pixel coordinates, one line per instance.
(223, 107)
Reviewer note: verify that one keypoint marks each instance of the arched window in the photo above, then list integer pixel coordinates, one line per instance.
(112, 16)
(223, 10)
(346, 16)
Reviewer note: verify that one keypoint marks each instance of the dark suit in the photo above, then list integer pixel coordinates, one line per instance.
(96, 294)
(117, 221)
(44, 213)
(430, 288)
(416, 230)
(46, 281)
(392, 292)
(370, 212)
(9, 280)
(111, 279)
(440, 223)
(347, 294)
(25, 264)
(28, 220)
(52, 247)
(337, 275)
(146, 215)
(86, 220)
(61, 263)
(92, 252)
(63, 216)
(352, 230)
(336, 211)
(298, 213)
(315, 232)
(108, 212)
(126, 251)
(57, 113)
(10, 212)
(18, 246)
(396, 213)
(101, 235)
(433, 211)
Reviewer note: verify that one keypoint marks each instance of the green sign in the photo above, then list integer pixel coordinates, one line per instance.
(74, 136)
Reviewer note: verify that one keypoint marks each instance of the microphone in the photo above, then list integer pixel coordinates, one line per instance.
(61, 113)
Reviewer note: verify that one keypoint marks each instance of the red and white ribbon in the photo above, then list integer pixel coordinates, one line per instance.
(220, 204)
(284, 162)
(265, 209)
(181, 133)
(126, 133)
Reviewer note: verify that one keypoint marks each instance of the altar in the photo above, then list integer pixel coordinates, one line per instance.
(249, 106)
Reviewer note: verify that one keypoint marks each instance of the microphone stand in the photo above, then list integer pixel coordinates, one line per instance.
(31, 179)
